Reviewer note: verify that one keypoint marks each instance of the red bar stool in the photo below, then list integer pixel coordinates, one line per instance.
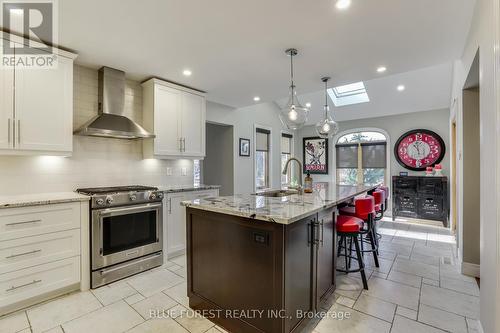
(364, 209)
(350, 227)
(379, 196)
(386, 190)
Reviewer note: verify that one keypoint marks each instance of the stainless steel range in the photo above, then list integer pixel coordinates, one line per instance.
(125, 231)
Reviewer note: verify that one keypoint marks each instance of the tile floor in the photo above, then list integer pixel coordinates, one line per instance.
(417, 288)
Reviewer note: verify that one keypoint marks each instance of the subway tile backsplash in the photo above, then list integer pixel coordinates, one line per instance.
(95, 161)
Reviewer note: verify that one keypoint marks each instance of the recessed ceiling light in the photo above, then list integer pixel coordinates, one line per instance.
(381, 69)
(343, 4)
(401, 87)
(187, 72)
(308, 105)
(256, 98)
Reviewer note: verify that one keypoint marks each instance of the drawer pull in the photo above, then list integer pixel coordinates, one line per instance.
(22, 254)
(23, 285)
(25, 222)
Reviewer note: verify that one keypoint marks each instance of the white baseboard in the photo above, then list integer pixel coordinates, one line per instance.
(471, 269)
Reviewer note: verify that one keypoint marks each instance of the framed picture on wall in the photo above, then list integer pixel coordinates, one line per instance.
(244, 147)
(315, 155)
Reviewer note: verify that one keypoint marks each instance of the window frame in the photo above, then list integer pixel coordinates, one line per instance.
(388, 152)
(269, 155)
(292, 152)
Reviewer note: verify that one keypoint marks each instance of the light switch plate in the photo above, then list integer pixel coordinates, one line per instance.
(169, 171)
(183, 171)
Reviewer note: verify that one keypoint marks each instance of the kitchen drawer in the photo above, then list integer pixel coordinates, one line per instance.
(406, 205)
(31, 282)
(35, 250)
(405, 184)
(37, 220)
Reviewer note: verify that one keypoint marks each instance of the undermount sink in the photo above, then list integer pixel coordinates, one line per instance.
(277, 193)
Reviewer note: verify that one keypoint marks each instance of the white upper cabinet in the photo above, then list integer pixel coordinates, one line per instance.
(36, 115)
(176, 115)
(6, 106)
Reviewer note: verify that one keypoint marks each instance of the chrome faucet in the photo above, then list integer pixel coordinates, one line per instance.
(285, 171)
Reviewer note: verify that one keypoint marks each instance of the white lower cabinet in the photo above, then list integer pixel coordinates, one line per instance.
(40, 253)
(175, 220)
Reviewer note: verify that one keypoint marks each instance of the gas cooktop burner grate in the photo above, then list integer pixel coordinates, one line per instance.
(115, 189)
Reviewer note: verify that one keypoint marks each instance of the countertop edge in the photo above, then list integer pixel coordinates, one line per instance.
(188, 188)
(17, 203)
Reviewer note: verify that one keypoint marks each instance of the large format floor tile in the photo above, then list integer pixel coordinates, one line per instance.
(115, 318)
(154, 282)
(154, 306)
(375, 307)
(113, 292)
(14, 322)
(416, 268)
(167, 325)
(451, 301)
(405, 325)
(356, 323)
(61, 310)
(393, 292)
(442, 319)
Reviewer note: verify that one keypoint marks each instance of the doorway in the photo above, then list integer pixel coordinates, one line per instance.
(218, 165)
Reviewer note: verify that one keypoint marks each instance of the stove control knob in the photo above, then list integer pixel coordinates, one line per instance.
(109, 200)
(160, 195)
(133, 197)
(100, 201)
(152, 196)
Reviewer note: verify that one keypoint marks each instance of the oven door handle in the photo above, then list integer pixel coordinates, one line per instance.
(122, 211)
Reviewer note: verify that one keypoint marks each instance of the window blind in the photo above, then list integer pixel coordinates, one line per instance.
(374, 155)
(262, 140)
(286, 144)
(347, 156)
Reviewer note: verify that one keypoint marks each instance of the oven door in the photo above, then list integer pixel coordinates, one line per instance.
(124, 233)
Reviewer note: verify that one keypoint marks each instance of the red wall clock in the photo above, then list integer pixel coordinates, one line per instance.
(418, 149)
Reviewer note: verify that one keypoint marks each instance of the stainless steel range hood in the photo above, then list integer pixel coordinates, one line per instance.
(110, 121)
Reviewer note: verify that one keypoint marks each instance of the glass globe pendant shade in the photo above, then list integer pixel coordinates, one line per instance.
(327, 128)
(293, 115)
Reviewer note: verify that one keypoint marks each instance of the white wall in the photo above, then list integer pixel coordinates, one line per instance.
(95, 161)
(484, 35)
(394, 126)
(244, 120)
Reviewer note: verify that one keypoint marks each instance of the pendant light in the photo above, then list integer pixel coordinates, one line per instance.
(327, 127)
(293, 115)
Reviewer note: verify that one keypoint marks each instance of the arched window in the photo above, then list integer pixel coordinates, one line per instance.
(361, 158)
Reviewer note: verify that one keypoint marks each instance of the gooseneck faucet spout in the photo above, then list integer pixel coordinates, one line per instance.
(285, 170)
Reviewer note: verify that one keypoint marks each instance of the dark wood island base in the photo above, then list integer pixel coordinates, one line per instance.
(248, 275)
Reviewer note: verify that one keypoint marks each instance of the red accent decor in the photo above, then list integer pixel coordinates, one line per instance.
(386, 190)
(348, 224)
(419, 149)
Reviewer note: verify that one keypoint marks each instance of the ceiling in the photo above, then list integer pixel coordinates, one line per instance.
(235, 49)
(425, 89)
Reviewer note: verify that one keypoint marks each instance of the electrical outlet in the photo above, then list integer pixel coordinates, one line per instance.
(183, 171)
(169, 171)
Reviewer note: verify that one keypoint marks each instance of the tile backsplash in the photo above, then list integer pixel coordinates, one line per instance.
(95, 161)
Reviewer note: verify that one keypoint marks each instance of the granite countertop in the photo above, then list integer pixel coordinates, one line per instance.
(22, 200)
(284, 210)
(186, 188)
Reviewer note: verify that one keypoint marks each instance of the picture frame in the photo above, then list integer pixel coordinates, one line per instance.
(315, 155)
(244, 147)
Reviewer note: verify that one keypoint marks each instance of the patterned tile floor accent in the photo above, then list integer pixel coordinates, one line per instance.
(418, 288)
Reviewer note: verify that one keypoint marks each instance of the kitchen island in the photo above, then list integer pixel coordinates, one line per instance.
(263, 264)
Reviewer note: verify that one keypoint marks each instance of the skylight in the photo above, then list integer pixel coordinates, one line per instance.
(349, 94)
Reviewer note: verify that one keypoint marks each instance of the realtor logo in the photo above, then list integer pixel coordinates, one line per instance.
(32, 25)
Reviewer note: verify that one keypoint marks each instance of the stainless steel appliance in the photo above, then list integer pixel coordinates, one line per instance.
(125, 231)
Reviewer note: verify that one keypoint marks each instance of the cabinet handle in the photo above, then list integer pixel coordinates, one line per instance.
(322, 224)
(22, 254)
(170, 205)
(19, 131)
(25, 222)
(23, 285)
(183, 145)
(180, 145)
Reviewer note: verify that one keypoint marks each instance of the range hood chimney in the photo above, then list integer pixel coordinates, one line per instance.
(110, 121)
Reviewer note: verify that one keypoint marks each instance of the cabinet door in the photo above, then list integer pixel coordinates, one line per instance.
(167, 108)
(44, 108)
(325, 276)
(193, 125)
(6, 105)
(176, 224)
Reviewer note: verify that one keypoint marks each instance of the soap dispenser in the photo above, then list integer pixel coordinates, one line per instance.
(308, 183)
